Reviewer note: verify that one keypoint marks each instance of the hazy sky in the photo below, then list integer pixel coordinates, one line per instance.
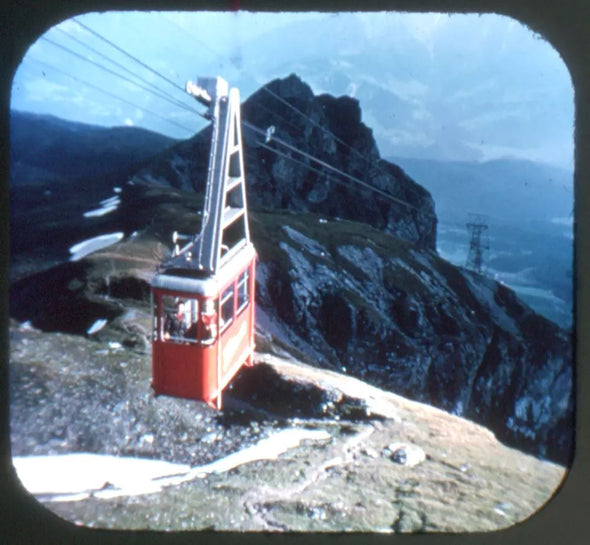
(459, 87)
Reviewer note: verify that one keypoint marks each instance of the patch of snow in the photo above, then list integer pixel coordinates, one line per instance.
(565, 221)
(96, 326)
(72, 477)
(27, 326)
(484, 290)
(111, 201)
(458, 409)
(86, 247)
(539, 293)
(106, 207)
(116, 189)
(76, 476)
(100, 211)
(266, 449)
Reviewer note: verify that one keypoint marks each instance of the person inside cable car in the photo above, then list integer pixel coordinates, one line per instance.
(191, 332)
(174, 322)
(209, 318)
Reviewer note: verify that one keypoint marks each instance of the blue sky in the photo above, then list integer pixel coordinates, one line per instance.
(452, 87)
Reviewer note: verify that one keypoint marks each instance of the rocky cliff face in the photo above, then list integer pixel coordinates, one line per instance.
(323, 127)
(381, 309)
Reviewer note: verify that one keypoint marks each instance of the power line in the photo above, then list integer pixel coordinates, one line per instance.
(99, 89)
(328, 166)
(86, 59)
(121, 50)
(156, 89)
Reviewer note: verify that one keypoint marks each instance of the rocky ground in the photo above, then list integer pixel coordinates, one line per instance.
(372, 460)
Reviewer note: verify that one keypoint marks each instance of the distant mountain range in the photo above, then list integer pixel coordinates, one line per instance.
(505, 190)
(44, 147)
(431, 97)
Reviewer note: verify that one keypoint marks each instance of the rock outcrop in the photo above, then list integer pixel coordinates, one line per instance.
(320, 127)
(351, 297)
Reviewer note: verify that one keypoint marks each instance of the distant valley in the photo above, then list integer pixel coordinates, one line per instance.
(528, 208)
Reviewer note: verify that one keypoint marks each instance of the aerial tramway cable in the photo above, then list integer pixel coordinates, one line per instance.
(328, 166)
(121, 50)
(330, 177)
(108, 93)
(370, 162)
(124, 78)
(159, 93)
(155, 88)
(315, 124)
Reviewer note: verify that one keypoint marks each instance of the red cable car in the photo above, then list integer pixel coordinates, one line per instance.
(203, 299)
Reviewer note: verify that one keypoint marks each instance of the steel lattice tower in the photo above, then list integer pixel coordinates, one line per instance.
(476, 226)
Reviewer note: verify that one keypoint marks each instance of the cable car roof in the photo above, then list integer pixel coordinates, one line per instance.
(194, 282)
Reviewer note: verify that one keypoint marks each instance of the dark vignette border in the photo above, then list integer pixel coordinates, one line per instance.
(566, 25)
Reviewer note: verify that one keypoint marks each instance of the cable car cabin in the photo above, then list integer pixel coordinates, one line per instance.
(203, 299)
(203, 329)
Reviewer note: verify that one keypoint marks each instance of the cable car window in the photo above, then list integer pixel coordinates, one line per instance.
(243, 290)
(179, 319)
(227, 308)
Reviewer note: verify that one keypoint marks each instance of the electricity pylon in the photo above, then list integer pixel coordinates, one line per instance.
(476, 226)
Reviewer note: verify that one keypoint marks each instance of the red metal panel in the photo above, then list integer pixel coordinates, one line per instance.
(191, 370)
(178, 371)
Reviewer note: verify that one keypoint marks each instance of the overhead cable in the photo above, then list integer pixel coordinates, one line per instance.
(121, 50)
(104, 91)
(328, 166)
(324, 130)
(125, 78)
(156, 89)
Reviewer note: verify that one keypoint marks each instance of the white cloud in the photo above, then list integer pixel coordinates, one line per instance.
(129, 122)
(407, 89)
(45, 90)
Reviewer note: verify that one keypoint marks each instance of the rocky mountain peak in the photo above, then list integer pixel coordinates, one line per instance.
(317, 157)
(291, 87)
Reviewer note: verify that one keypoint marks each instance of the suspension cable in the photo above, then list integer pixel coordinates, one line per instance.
(328, 166)
(156, 89)
(314, 123)
(186, 107)
(325, 131)
(121, 50)
(99, 89)
(125, 78)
